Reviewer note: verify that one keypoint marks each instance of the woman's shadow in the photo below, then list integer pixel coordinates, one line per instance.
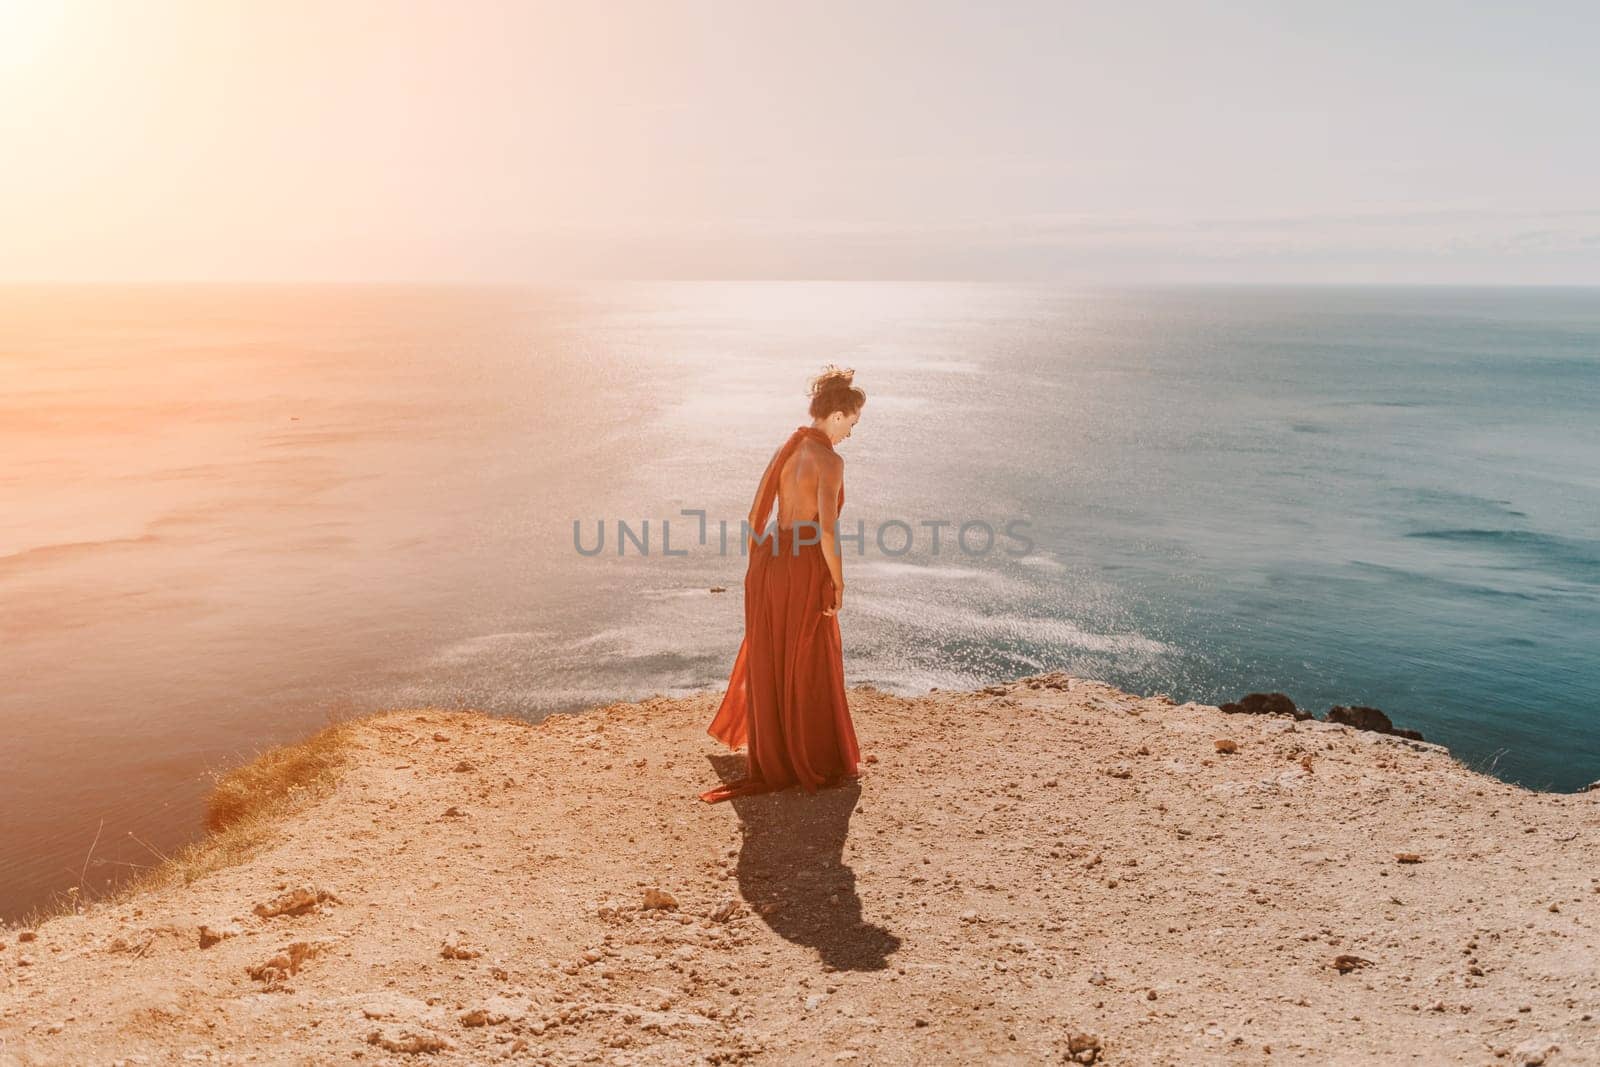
(792, 872)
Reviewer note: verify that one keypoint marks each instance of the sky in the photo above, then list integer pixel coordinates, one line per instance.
(482, 141)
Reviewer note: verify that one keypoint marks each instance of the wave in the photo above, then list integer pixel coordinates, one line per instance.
(492, 647)
(1570, 557)
(890, 569)
(1452, 498)
(1402, 574)
(932, 620)
(46, 553)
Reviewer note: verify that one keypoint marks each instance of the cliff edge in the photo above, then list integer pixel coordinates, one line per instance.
(1047, 871)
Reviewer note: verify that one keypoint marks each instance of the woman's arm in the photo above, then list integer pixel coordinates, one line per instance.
(828, 482)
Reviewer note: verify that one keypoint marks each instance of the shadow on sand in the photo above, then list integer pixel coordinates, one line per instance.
(792, 871)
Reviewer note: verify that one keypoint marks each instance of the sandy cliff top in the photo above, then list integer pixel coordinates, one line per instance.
(1047, 871)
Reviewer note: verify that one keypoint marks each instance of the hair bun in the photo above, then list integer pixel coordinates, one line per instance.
(832, 377)
(834, 390)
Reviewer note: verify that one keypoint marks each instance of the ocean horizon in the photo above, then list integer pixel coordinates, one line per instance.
(235, 511)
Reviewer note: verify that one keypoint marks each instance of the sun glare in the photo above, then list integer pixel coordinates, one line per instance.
(27, 30)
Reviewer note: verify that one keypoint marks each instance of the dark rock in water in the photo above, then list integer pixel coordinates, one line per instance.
(1365, 718)
(1265, 704)
(1362, 718)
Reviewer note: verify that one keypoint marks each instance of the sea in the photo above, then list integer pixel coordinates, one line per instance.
(231, 514)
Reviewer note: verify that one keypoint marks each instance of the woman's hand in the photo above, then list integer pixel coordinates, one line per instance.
(838, 600)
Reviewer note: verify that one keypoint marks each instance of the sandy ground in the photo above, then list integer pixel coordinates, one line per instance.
(1045, 872)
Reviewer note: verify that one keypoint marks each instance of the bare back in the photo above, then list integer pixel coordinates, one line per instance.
(798, 482)
(808, 485)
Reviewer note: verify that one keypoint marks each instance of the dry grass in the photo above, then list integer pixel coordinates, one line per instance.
(243, 813)
(249, 802)
(279, 776)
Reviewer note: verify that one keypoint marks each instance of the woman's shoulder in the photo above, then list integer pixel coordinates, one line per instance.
(817, 448)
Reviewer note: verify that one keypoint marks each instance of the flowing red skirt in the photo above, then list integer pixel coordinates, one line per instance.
(786, 698)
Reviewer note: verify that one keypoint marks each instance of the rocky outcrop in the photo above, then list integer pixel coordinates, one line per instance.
(1265, 704)
(1365, 718)
(1359, 717)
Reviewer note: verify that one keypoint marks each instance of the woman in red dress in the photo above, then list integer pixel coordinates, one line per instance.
(785, 698)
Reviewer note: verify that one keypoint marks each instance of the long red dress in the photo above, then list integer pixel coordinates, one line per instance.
(786, 697)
